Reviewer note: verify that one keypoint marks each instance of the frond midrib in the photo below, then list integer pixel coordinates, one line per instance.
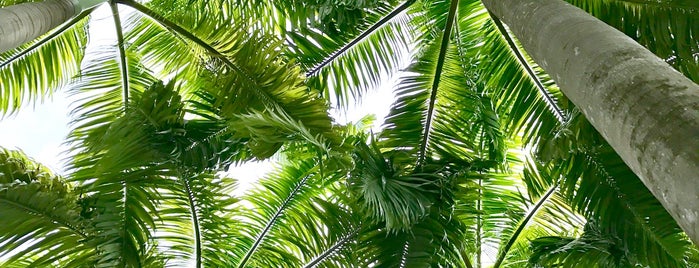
(560, 115)
(522, 224)
(48, 217)
(374, 27)
(195, 221)
(435, 83)
(272, 221)
(123, 64)
(327, 253)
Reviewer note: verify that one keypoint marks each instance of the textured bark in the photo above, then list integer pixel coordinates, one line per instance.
(22, 23)
(646, 110)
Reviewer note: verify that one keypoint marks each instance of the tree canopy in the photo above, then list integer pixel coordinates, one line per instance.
(481, 161)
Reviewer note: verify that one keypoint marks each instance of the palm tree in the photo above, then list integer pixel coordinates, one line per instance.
(479, 155)
(626, 92)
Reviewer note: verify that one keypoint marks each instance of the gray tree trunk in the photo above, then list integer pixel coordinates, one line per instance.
(22, 23)
(646, 110)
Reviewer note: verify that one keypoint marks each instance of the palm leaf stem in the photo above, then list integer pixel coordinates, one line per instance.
(184, 32)
(48, 37)
(124, 219)
(479, 223)
(32, 211)
(271, 222)
(467, 262)
(435, 83)
(404, 254)
(327, 253)
(122, 53)
(125, 87)
(359, 38)
(195, 222)
(173, 27)
(544, 93)
(523, 224)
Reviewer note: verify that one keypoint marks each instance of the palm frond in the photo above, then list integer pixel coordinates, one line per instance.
(437, 239)
(42, 221)
(333, 249)
(602, 188)
(443, 46)
(98, 93)
(550, 216)
(522, 224)
(667, 28)
(345, 66)
(195, 220)
(525, 64)
(34, 71)
(388, 191)
(256, 74)
(490, 61)
(119, 167)
(374, 27)
(270, 205)
(325, 232)
(124, 66)
(595, 248)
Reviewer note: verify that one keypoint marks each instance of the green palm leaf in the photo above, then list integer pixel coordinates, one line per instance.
(667, 28)
(120, 165)
(602, 188)
(347, 65)
(42, 221)
(257, 75)
(271, 205)
(194, 222)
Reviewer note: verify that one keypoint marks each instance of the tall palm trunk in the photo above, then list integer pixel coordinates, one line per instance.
(24, 22)
(645, 109)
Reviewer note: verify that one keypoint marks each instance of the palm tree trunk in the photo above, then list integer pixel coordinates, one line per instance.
(25, 22)
(645, 109)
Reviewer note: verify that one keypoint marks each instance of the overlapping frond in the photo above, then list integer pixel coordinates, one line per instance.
(601, 187)
(670, 29)
(148, 176)
(320, 248)
(522, 108)
(42, 222)
(436, 240)
(195, 220)
(346, 66)
(119, 166)
(594, 248)
(345, 47)
(246, 74)
(388, 192)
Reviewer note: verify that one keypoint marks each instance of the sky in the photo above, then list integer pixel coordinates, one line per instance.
(40, 130)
